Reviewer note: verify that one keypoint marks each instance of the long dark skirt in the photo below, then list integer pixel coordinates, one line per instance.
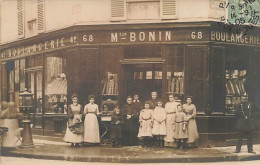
(130, 132)
(116, 131)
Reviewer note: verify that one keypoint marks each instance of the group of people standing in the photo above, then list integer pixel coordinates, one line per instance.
(151, 122)
(77, 131)
(159, 126)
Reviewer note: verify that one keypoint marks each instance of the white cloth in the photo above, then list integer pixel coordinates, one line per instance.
(145, 119)
(10, 138)
(159, 115)
(91, 127)
(170, 108)
(70, 136)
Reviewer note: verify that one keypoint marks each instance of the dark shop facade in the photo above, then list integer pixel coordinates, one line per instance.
(199, 59)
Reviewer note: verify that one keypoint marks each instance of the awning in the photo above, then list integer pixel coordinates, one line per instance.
(57, 87)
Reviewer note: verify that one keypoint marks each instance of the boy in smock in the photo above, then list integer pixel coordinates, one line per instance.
(180, 130)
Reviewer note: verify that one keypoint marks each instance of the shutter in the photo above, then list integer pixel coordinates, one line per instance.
(168, 9)
(20, 17)
(40, 16)
(118, 10)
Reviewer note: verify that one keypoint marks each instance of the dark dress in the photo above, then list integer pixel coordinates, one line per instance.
(245, 125)
(153, 103)
(131, 126)
(116, 127)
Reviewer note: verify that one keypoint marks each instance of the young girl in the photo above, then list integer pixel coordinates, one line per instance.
(116, 128)
(180, 130)
(146, 122)
(91, 127)
(159, 126)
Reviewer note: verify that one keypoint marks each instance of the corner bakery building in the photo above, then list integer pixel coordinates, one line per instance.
(113, 61)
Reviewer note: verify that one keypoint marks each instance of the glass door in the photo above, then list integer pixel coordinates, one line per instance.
(142, 79)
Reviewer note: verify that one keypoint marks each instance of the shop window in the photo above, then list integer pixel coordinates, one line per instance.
(55, 85)
(175, 70)
(109, 75)
(138, 75)
(137, 52)
(149, 75)
(236, 79)
(110, 84)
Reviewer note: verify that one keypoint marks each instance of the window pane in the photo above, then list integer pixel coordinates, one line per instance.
(175, 70)
(55, 85)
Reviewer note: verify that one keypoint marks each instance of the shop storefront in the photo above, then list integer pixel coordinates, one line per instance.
(114, 61)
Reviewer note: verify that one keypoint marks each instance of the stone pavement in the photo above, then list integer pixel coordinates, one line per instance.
(54, 148)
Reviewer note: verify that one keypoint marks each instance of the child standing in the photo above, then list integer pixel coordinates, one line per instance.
(159, 126)
(116, 128)
(180, 130)
(146, 123)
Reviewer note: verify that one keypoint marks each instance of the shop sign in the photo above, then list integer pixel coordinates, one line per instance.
(107, 37)
(234, 38)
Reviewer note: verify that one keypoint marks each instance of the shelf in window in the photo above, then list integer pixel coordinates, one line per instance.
(233, 95)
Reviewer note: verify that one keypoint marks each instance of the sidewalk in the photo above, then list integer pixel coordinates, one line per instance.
(55, 149)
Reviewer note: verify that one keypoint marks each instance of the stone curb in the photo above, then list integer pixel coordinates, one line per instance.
(116, 159)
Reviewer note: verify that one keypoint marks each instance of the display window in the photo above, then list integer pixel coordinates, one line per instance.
(55, 84)
(175, 70)
(236, 78)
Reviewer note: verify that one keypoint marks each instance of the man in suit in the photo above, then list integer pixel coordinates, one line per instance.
(245, 124)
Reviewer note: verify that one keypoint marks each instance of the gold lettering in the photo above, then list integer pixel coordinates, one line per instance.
(242, 39)
(141, 36)
(132, 37)
(34, 48)
(52, 44)
(151, 36)
(114, 37)
(246, 39)
(9, 53)
(212, 35)
(227, 39)
(251, 39)
(222, 36)
(168, 36)
(46, 45)
(14, 52)
(237, 38)
(217, 36)
(57, 43)
(62, 41)
(232, 38)
(40, 47)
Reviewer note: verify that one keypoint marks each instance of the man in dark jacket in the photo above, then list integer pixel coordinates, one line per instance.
(245, 124)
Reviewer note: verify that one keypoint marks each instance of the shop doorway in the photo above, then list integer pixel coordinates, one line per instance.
(142, 79)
